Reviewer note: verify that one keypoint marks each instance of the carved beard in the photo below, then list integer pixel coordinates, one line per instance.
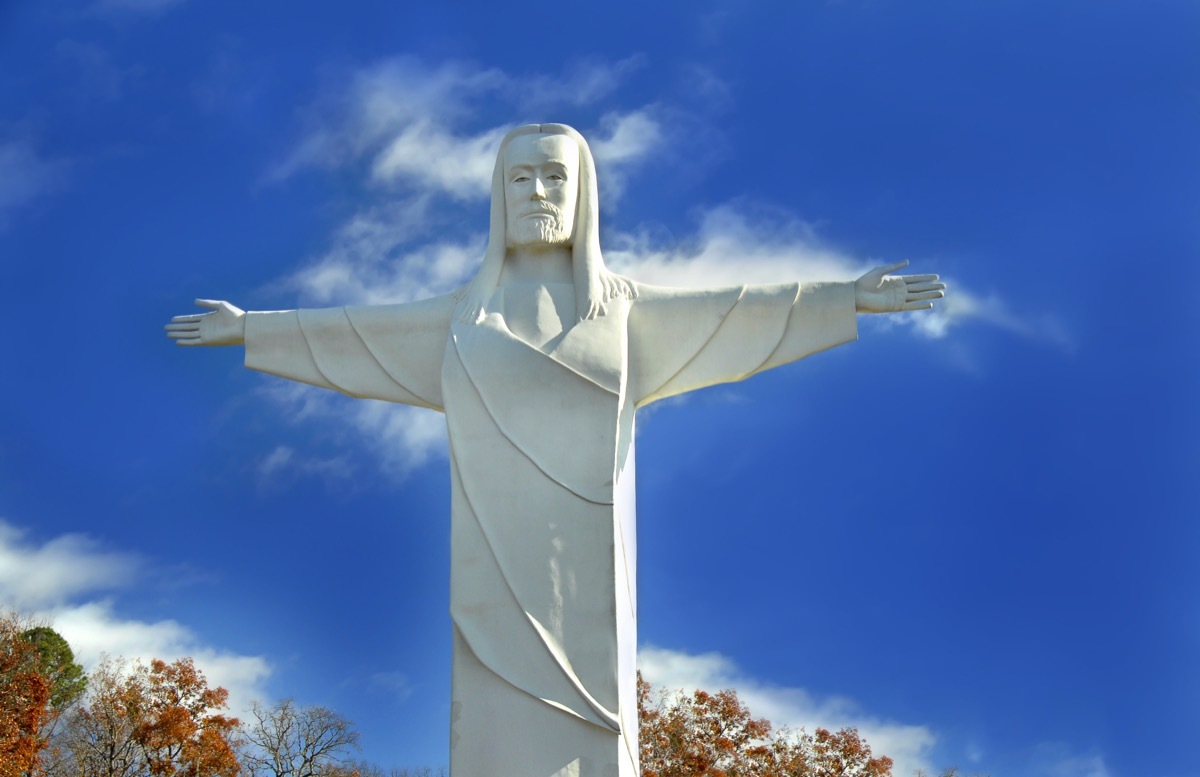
(527, 232)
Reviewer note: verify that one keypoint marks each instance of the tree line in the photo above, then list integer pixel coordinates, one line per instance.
(162, 719)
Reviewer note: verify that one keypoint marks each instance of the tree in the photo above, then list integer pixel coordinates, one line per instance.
(57, 662)
(157, 721)
(290, 741)
(714, 735)
(24, 700)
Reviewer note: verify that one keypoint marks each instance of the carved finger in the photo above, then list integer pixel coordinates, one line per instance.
(610, 288)
(595, 309)
(911, 279)
(627, 288)
(182, 326)
(190, 334)
(891, 267)
(924, 295)
(926, 286)
(212, 304)
(917, 306)
(191, 318)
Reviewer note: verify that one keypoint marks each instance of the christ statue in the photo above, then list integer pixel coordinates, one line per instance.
(539, 364)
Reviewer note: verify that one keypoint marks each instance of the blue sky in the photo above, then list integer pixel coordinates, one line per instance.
(972, 533)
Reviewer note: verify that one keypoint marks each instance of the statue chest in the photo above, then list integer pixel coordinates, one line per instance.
(542, 316)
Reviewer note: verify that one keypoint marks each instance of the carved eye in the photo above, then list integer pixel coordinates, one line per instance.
(521, 179)
(556, 177)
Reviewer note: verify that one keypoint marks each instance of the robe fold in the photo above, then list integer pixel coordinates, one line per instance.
(543, 543)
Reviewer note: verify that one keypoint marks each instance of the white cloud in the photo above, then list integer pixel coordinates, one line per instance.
(426, 155)
(373, 260)
(283, 465)
(627, 137)
(623, 139)
(25, 175)
(908, 745)
(399, 438)
(732, 247)
(961, 305)
(33, 576)
(363, 114)
(403, 119)
(68, 581)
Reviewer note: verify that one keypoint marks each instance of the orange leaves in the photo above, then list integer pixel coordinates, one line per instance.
(162, 720)
(179, 728)
(24, 701)
(714, 735)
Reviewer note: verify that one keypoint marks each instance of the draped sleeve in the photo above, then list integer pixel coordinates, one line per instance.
(388, 352)
(684, 339)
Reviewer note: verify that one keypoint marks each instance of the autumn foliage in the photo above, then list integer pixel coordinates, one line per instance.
(157, 721)
(163, 720)
(713, 735)
(24, 700)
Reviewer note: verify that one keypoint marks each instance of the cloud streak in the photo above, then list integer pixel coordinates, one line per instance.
(406, 123)
(70, 581)
(398, 439)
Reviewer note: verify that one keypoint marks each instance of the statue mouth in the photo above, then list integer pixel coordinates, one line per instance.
(549, 213)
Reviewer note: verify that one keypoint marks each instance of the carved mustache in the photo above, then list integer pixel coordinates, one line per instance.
(547, 208)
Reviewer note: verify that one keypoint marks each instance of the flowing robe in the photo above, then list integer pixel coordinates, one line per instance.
(543, 588)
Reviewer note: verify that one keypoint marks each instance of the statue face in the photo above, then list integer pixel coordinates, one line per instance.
(541, 188)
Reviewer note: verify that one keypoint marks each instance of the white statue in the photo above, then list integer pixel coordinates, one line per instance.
(539, 365)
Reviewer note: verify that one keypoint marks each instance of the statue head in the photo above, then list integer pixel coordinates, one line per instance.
(545, 143)
(541, 189)
(549, 150)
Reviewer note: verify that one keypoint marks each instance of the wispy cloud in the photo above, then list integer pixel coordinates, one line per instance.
(733, 245)
(72, 581)
(377, 256)
(283, 465)
(26, 175)
(961, 306)
(37, 576)
(737, 243)
(407, 123)
(398, 438)
(909, 745)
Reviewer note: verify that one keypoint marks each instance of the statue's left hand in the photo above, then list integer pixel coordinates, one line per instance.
(878, 292)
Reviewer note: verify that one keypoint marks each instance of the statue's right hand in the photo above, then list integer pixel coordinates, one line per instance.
(225, 325)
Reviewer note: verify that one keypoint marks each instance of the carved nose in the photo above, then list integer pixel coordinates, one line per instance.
(539, 191)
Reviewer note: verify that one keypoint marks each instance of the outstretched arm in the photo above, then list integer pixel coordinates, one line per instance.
(388, 352)
(878, 292)
(225, 325)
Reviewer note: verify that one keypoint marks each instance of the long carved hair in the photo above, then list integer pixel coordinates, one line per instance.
(587, 262)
